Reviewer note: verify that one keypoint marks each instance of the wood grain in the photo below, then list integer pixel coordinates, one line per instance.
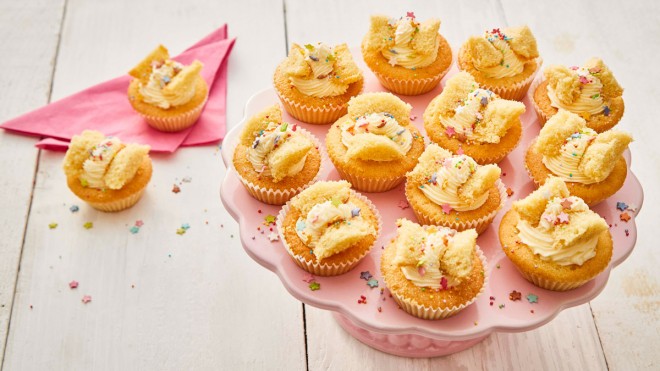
(159, 300)
(30, 33)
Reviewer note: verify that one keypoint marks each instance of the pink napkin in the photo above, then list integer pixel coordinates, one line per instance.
(105, 107)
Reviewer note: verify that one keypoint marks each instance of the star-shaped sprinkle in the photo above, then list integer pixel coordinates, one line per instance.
(446, 208)
(355, 212)
(624, 217)
(273, 237)
(566, 204)
(622, 206)
(532, 298)
(410, 15)
(403, 204)
(606, 111)
(74, 208)
(86, 299)
(139, 223)
(73, 284)
(515, 295)
(509, 191)
(450, 131)
(269, 219)
(372, 283)
(300, 225)
(52, 225)
(176, 189)
(366, 275)
(314, 286)
(309, 278)
(584, 80)
(88, 225)
(134, 229)
(484, 101)
(460, 150)
(562, 218)
(180, 231)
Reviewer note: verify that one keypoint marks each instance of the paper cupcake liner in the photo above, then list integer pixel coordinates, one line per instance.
(479, 224)
(548, 284)
(281, 196)
(411, 86)
(539, 112)
(175, 123)
(314, 115)
(420, 311)
(516, 91)
(319, 268)
(371, 185)
(118, 205)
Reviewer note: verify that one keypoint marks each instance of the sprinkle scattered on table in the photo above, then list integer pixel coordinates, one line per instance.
(624, 216)
(52, 225)
(176, 189)
(86, 299)
(186, 179)
(366, 275)
(314, 286)
(622, 206)
(403, 204)
(372, 283)
(139, 223)
(74, 208)
(362, 300)
(532, 298)
(515, 295)
(183, 229)
(509, 191)
(88, 225)
(269, 219)
(273, 237)
(73, 284)
(501, 306)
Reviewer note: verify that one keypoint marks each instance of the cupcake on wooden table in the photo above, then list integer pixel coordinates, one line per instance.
(328, 228)
(315, 82)
(591, 164)
(454, 191)
(466, 118)
(106, 173)
(433, 272)
(375, 144)
(169, 95)
(590, 91)
(276, 160)
(407, 57)
(554, 240)
(504, 61)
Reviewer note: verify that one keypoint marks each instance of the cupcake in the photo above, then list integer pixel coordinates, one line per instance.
(276, 160)
(454, 191)
(407, 57)
(433, 272)
(591, 164)
(106, 173)
(590, 91)
(465, 118)
(328, 228)
(554, 240)
(502, 61)
(167, 94)
(315, 82)
(375, 144)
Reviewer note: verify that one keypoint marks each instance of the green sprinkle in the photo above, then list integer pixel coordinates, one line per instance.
(52, 225)
(88, 225)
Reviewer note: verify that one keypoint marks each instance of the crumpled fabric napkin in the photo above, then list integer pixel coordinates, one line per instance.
(105, 107)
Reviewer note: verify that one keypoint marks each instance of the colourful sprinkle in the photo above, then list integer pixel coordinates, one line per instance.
(134, 229)
(73, 284)
(314, 286)
(532, 298)
(366, 275)
(52, 225)
(86, 299)
(606, 111)
(273, 237)
(403, 204)
(269, 219)
(446, 208)
(624, 217)
(176, 189)
(372, 283)
(139, 223)
(74, 208)
(88, 225)
(622, 206)
(515, 295)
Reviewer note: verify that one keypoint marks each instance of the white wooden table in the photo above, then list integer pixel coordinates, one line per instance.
(197, 301)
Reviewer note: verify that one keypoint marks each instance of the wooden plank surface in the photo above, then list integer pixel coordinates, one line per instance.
(518, 351)
(30, 33)
(627, 311)
(159, 300)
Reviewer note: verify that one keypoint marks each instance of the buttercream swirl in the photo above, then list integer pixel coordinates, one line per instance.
(510, 65)
(469, 114)
(162, 75)
(540, 239)
(377, 124)
(427, 271)
(266, 144)
(402, 52)
(590, 100)
(98, 162)
(566, 164)
(323, 82)
(443, 185)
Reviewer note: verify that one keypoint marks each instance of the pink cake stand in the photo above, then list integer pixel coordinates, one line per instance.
(369, 313)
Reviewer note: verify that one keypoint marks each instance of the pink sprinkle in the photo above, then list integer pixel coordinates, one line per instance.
(139, 223)
(410, 14)
(309, 278)
(450, 131)
(86, 299)
(403, 204)
(73, 284)
(443, 283)
(413, 118)
(446, 208)
(421, 270)
(584, 80)
(460, 150)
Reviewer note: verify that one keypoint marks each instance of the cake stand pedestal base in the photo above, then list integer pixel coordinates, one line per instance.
(405, 345)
